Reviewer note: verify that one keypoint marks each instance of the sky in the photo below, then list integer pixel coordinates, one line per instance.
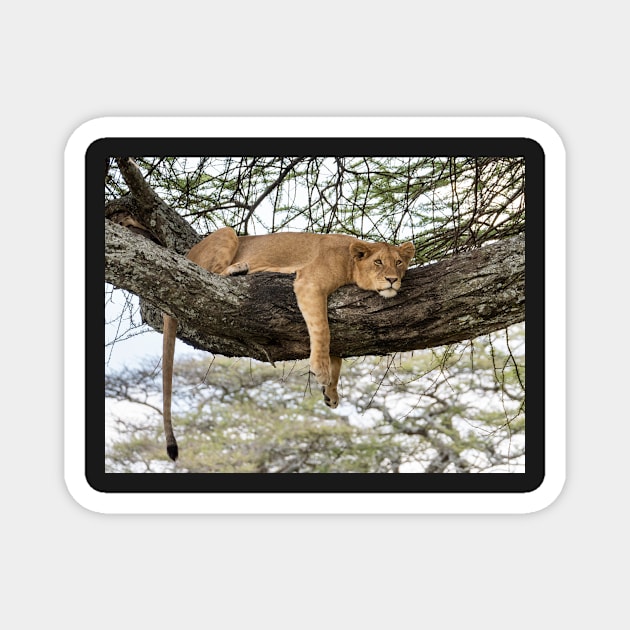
(132, 349)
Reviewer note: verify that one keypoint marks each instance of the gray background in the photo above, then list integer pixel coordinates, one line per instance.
(63, 65)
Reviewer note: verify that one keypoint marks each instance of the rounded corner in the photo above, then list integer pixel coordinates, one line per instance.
(79, 499)
(544, 135)
(83, 493)
(545, 494)
(89, 132)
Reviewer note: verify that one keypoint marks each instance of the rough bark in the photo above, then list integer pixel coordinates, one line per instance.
(257, 316)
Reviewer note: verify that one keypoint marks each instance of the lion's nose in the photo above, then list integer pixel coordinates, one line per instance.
(391, 280)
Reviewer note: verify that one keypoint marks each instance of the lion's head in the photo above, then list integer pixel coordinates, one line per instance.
(379, 266)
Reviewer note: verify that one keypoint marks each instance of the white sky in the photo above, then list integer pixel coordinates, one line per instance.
(130, 351)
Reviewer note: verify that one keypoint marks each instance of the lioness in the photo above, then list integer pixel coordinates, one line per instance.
(322, 263)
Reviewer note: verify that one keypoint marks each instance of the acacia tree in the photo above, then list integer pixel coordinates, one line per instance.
(465, 216)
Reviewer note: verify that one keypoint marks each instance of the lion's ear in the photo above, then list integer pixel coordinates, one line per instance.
(407, 251)
(359, 249)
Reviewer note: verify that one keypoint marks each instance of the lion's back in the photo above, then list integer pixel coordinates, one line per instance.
(290, 251)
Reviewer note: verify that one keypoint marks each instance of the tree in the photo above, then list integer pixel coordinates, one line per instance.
(465, 215)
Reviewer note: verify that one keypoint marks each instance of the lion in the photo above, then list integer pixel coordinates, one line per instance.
(321, 263)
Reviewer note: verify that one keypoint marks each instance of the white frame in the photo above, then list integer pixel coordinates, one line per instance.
(316, 503)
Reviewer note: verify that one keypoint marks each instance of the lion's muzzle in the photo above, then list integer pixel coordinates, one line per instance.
(391, 290)
(388, 293)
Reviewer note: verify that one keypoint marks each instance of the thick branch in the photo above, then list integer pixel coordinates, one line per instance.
(257, 316)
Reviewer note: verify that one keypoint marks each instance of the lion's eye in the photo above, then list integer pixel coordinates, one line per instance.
(398, 263)
(378, 261)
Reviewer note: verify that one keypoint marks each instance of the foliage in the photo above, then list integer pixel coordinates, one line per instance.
(460, 409)
(445, 205)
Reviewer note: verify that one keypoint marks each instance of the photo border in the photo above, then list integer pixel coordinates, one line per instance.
(314, 493)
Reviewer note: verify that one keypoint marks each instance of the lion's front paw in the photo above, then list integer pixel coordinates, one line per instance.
(331, 397)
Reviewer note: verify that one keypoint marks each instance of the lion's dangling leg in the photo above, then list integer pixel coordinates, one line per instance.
(331, 397)
(313, 303)
(313, 306)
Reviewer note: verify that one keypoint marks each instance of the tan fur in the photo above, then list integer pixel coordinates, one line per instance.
(322, 263)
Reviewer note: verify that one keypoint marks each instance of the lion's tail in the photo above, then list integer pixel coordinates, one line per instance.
(168, 353)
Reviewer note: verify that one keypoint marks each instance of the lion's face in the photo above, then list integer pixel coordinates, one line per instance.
(380, 267)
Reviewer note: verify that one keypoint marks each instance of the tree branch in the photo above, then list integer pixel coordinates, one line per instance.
(257, 316)
(157, 217)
